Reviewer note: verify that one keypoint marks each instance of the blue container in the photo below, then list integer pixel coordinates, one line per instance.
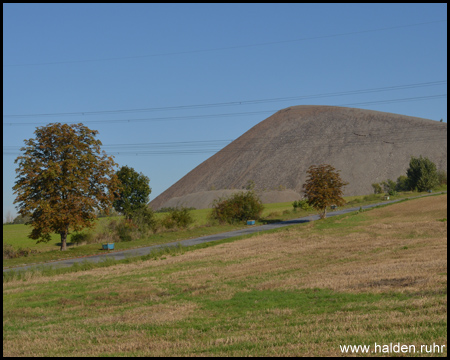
(250, 222)
(109, 246)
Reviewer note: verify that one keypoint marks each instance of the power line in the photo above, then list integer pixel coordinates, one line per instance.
(229, 47)
(168, 118)
(398, 100)
(198, 117)
(233, 103)
(370, 137)
(379, 131)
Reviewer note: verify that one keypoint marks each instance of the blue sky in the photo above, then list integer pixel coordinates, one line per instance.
(135, 71)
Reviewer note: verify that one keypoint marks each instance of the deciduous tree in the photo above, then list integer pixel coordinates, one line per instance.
(62, 179)
(422, 174)
(323, 187)
(134, 193)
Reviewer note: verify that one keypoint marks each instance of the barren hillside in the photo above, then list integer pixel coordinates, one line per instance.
(366, 146)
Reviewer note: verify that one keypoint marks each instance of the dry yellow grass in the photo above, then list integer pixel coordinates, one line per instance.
(401, 248)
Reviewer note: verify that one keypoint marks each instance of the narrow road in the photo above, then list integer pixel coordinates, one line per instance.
(119, 255)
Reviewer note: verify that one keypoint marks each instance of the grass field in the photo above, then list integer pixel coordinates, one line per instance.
(377, 276)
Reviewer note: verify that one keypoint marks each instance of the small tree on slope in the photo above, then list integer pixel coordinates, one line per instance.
(323, 187)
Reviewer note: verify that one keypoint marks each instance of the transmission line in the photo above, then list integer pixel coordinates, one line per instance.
(233, 103)
(360, 137)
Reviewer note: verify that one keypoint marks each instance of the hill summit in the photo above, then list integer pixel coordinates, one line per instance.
(366, 146)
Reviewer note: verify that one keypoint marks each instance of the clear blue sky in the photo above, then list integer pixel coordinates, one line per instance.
(64, 60)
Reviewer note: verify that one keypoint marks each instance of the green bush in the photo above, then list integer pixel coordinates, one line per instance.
(142, 222)
(302, 204)
(177, 218)
(118, 230)
(241, 206)
(402, 183)
(144, 219)
(377, 188)
(389, 187)
(127, 231)
(81, 237)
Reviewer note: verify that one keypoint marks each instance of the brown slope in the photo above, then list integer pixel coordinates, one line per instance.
(366, 146)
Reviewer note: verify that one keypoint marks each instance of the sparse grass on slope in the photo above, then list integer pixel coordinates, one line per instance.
(378, 276)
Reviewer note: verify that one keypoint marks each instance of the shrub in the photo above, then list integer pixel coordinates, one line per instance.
(177, 217)
(402, 183)
(182, 217)
(81, 237)
(167, 222)
(127, 231)
(117, 230)
(377, 188)
(302, 204)
(389, 187)
(144, 219)
(10, 253)
(239, 207)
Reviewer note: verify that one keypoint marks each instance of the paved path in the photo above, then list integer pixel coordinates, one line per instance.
(119, 255)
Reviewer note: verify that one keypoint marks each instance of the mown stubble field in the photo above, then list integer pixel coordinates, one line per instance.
(378, 276)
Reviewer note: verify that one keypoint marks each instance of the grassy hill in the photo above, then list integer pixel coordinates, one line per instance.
(377, 276)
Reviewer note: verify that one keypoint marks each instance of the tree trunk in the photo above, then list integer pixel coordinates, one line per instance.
(64, 239)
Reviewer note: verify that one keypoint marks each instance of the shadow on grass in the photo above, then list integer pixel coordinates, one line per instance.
(68, 244)
(270, 221)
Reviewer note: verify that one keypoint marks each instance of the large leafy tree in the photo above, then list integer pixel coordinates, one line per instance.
(134, 193)
(63, 178)
(323, 187)
(422, 174)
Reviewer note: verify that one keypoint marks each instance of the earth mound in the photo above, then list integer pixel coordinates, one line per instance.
(367, 146)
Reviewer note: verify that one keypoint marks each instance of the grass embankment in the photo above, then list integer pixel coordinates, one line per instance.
(16, 235)
(377, 276)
